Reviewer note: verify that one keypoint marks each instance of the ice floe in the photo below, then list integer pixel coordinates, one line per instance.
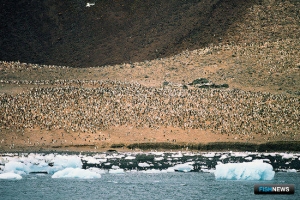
(244, 171)
(10, 175)
(116, 171)
(143, 165)
(76, 173)
(186, 167)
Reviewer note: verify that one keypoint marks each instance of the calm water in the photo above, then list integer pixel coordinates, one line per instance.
(193, 185)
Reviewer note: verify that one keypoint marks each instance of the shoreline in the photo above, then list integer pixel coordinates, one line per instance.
(274, 146)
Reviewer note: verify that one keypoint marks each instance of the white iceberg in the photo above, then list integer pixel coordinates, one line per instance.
(76, 173)
(244, 171)
(49, 164)
(186, 167)
(16, 167)
(10, 175)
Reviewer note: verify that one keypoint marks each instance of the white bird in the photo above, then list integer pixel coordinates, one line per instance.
(90, 4)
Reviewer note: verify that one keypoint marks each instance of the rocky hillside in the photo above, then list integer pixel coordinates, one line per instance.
(153, 57)
(118, 31)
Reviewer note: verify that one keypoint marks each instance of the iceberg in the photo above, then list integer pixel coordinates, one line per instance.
(244, 171)
(186, 167)
(76, 173)
(16, 167)
(50, 164)
(10, 175)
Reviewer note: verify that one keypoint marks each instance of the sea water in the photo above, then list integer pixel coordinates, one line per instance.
(137, 185)
(152, 175)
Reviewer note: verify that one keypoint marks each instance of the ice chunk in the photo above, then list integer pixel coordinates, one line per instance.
(16, 167)
(115, 167)
(208, 170)
(186, 167)
(291, 170)
(209, 155)
(10, 175)
(223, 157)
(67, 161)
(177, 155)
(158, 158)
(116, 171)
(91, 160)
(76, 173)
(38, 163)
(244, 171)
(170, 170)
(239, 154)
(130, 158)
(248, 158)
(287, 156)
(143, 165)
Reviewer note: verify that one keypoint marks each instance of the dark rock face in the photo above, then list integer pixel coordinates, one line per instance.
(110, 32)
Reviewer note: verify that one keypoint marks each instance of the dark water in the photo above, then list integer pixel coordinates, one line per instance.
(130, 185)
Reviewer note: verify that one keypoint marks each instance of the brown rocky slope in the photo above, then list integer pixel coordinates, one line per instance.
(255, 50)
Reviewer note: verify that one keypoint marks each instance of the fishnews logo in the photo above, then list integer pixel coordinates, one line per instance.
(274, 189)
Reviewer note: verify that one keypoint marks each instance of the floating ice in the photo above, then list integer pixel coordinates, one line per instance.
(223, 157)
(143, 165)
(291, 170)
(287, 156)
(91, 160)
(248, 158)
(16, 167)
(245, 171)
(158, 158)
(130, 158)
(48, 164)
(116, 171)
(209, 155)
(177, 155)
(10, 175)
(76, 173)
(208, 170)
(239, 154)
(186, 167)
